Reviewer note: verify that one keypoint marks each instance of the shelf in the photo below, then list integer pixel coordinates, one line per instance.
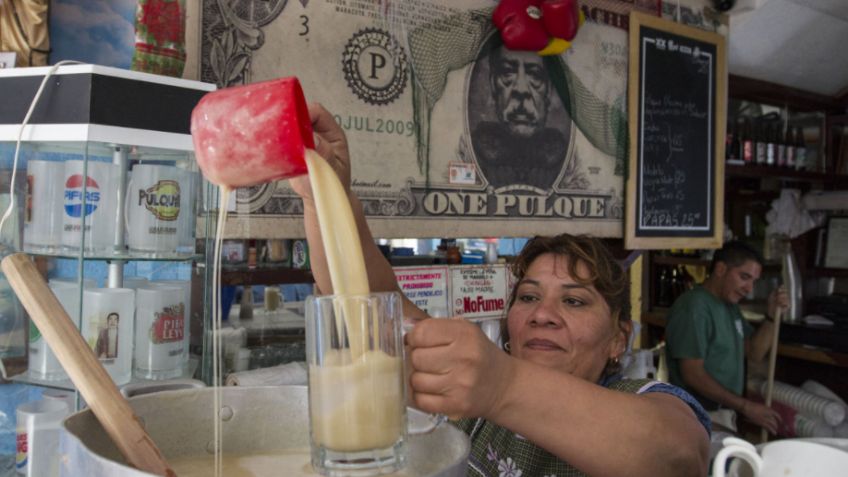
(815, 355)
(188, 373)
(828, 272)
(762, 172)
(700, 262)
(264, 276)
(671, 260)
(125, 256)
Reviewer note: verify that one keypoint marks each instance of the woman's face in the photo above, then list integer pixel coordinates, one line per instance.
(559, 323)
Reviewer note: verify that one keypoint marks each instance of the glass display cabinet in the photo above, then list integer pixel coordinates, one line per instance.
(101, 188)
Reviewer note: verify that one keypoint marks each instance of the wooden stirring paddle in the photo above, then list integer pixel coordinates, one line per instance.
(88, 375)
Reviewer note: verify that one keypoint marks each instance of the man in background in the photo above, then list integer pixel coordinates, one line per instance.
(707, 338)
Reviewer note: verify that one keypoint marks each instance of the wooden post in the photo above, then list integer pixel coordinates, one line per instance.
(86, 372)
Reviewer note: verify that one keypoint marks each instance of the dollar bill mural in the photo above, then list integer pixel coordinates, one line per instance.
(450, 133)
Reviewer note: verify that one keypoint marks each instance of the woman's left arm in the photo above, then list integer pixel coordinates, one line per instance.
(601, 431)
(459, 372)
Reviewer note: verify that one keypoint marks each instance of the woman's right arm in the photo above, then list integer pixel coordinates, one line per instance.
(331, 144)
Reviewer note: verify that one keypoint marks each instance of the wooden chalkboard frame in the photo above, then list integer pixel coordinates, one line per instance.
(634, 236)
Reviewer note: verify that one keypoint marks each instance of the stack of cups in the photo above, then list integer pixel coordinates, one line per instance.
(38, 425)
(158, 199)
(44, 212)
(43, 364)
(161, 338)
(188, 212)
(90, 212)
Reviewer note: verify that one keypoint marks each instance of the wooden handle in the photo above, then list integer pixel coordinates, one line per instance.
(772, 365)
(86, 372)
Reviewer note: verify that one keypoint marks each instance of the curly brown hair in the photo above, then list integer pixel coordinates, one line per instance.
(605, 273)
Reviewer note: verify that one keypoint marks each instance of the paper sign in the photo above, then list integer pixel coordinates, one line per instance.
(426, 287)
(479, 291)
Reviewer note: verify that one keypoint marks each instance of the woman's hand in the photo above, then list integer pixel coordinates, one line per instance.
(762, 415)
(456, 369)
(331, 144)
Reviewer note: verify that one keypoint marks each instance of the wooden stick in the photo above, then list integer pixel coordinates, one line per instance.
(772, 366)
(86, 372)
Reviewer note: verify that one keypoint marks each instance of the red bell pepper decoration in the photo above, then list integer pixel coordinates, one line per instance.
(545, 26)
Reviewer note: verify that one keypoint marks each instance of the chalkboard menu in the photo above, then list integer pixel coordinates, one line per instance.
(677, 116)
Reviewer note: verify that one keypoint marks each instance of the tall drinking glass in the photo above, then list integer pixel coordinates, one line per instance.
(357, 405)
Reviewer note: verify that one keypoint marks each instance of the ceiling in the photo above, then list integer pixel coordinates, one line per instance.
(802, 44)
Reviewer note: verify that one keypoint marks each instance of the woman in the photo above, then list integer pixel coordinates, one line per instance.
(552, 404)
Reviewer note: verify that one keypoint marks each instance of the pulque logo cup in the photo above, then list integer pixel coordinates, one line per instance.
(162, 199)
(74, 196)
(153, 212)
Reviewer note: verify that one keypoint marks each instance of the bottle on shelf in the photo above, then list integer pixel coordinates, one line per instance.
(674, 281)
(663, 288)
(747, 153)
(789, 141)
(771, 146)
(732, 147)
(801, 151)
(760, 144)
(781, 145)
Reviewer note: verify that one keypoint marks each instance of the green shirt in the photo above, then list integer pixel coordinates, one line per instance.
(702, 326)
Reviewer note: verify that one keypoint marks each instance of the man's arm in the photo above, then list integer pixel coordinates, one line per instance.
(699, 380)
(758, 345)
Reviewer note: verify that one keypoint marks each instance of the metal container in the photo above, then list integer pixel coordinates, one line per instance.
(254, 419)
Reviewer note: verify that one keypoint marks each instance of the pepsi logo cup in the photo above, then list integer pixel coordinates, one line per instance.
(155, 202)
(44, 208)
(89, 202)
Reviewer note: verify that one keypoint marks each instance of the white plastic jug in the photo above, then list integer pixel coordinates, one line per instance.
(783, 458)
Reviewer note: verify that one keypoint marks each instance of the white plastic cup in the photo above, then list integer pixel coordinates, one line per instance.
(160, 332)
(72, 282)
(135, 282)
(61, 395)
(185, 286)
(43, 363)
(107, 326)
(38, 425)
(99, 216)
(188, 212)
(155, 197)
(44, 214)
